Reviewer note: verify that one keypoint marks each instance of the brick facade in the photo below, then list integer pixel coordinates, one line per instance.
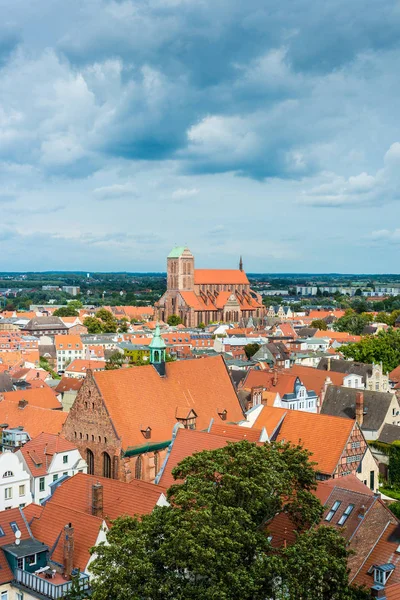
(90, 427)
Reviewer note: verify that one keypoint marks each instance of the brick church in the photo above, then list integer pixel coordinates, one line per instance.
(206, 295)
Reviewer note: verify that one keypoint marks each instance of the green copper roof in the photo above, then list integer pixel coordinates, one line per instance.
(157, 342)
(176, 252)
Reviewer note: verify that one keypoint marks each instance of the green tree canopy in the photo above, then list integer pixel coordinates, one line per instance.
(212, 541)
(383, 347)
(93, 325)
(251, 349)
(352, 323)
(174, 320)
(66, 311)
(319, 324)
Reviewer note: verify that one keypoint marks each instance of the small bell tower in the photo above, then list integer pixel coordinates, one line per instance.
(157, 352)
(241, 264)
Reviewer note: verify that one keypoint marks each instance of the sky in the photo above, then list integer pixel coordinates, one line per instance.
(267, 129)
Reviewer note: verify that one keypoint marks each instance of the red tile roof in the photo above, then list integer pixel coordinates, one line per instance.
(324, 436)
(220, 277)
(32, 511)
(62, 342)
(119, 498)
(42, 397)
(281, 382)
(69, 383)
(270, 418)
(39, 452)
(49, 528)
(314, 379)
(138, 397)
(80, 365)
(236, 432)
(32, 418)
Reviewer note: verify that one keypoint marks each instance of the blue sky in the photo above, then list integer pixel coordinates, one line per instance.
(259, 128)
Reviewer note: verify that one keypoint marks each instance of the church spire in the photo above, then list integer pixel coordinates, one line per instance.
(241, 264)
(157, 348)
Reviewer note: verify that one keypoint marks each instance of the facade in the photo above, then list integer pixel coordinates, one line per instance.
(47, 458)
(122, 420)
(14, 483)
(45, 326)
(206, 295)
(68, 348)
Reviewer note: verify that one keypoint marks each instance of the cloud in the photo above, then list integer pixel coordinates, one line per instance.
(115, 191)
(182, 193)
(362, 189)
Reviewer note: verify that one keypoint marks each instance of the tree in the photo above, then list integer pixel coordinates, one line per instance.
(251, 349)
(174, 320)
(212, 542)
(93, 325)
(76, 592)
(319, 324)
(115, 361)
(66, 311)
(123, 325)
(383, 347)
(358, 292)
(109, 323)
(201, 326)
(352, 323)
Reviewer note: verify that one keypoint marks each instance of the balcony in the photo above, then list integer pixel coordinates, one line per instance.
(45, 588)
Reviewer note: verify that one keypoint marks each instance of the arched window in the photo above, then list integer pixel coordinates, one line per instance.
(92, 438)
(156, 462)
(106, 465)
(87, 437)
(8, 474)
(138, 467)
(90, 461)
(100, 439)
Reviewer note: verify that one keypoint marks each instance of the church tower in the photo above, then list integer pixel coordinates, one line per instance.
(241, 264)
(157, 348)
(180, 270)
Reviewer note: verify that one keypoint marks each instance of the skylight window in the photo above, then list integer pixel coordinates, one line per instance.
(333, 510)
(2, 534)
(346, 514)
(14, 526)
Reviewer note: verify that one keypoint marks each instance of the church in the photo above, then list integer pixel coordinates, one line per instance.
(206, 295)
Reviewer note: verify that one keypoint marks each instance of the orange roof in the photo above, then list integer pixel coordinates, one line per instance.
(25, 315)
(220, 276)
(43, 397)
(31, 356)
(270, 419)
(322, 314)
(33, 419)
(186, 443)
(68, 383)
(12, 359)
(339, 336)
(80, 365)
(272, 381)
(138, 397)
(39, 452)
(324, 436)
(196, 301)
(62, 342)
(312, 379)
(384, 552)
(236, 432)
(32, 511)
(119, 498)
(135, 312)
(69, 319)
(49, 528)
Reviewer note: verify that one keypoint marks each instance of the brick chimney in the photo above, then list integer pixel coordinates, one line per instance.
(97, 499)
(275, 379)
(256, 395)
(68, 550)
(22, 403)
(360, 408)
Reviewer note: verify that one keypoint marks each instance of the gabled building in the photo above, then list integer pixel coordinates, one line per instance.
(45, 326)
(47, 458)
(68, 348)
(14, 482)
(206, 295)
(372, 375)
(122, 420)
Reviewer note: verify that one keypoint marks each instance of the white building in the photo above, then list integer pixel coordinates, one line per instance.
(14, 483)
(46, 459)
(68, 348)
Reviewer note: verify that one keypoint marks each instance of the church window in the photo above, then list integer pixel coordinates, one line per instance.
(90, 461)
(106, 465)
(138, 467)
(156, 462)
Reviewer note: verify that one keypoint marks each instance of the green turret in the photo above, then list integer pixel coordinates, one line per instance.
(157, 351)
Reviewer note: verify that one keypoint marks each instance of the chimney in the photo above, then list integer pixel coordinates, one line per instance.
(275, 379)
(68, 550)
(328, 366)
(362, 511)
(378, 591)
(97, 499)
(360, 408)
(22, 403)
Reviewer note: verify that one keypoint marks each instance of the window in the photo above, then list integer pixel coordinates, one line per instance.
(14, 526)
(7, 493)
(2, 534)
(55, 477)
(138, 468)
(19, 596)
(66, 473)
(106, 465)
(22, 490)
(355, 445)
(346, 514)
(22, 505)
(41, 484)
(65, 459)
(90, 461)
(20, 563)
(30, 560)
(8, 474)
(333, 510)
(379, 576)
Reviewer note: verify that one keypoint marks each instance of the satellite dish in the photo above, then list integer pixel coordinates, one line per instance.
(18, 534)
(17, 542)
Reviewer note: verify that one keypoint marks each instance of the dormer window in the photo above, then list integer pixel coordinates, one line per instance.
(346, 514)
(382, 573)
(223, 414)
(8, 474)
(186, 416)
(333, 511)
(146, 433)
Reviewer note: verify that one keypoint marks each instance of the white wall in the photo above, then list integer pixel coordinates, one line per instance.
(9, 463)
